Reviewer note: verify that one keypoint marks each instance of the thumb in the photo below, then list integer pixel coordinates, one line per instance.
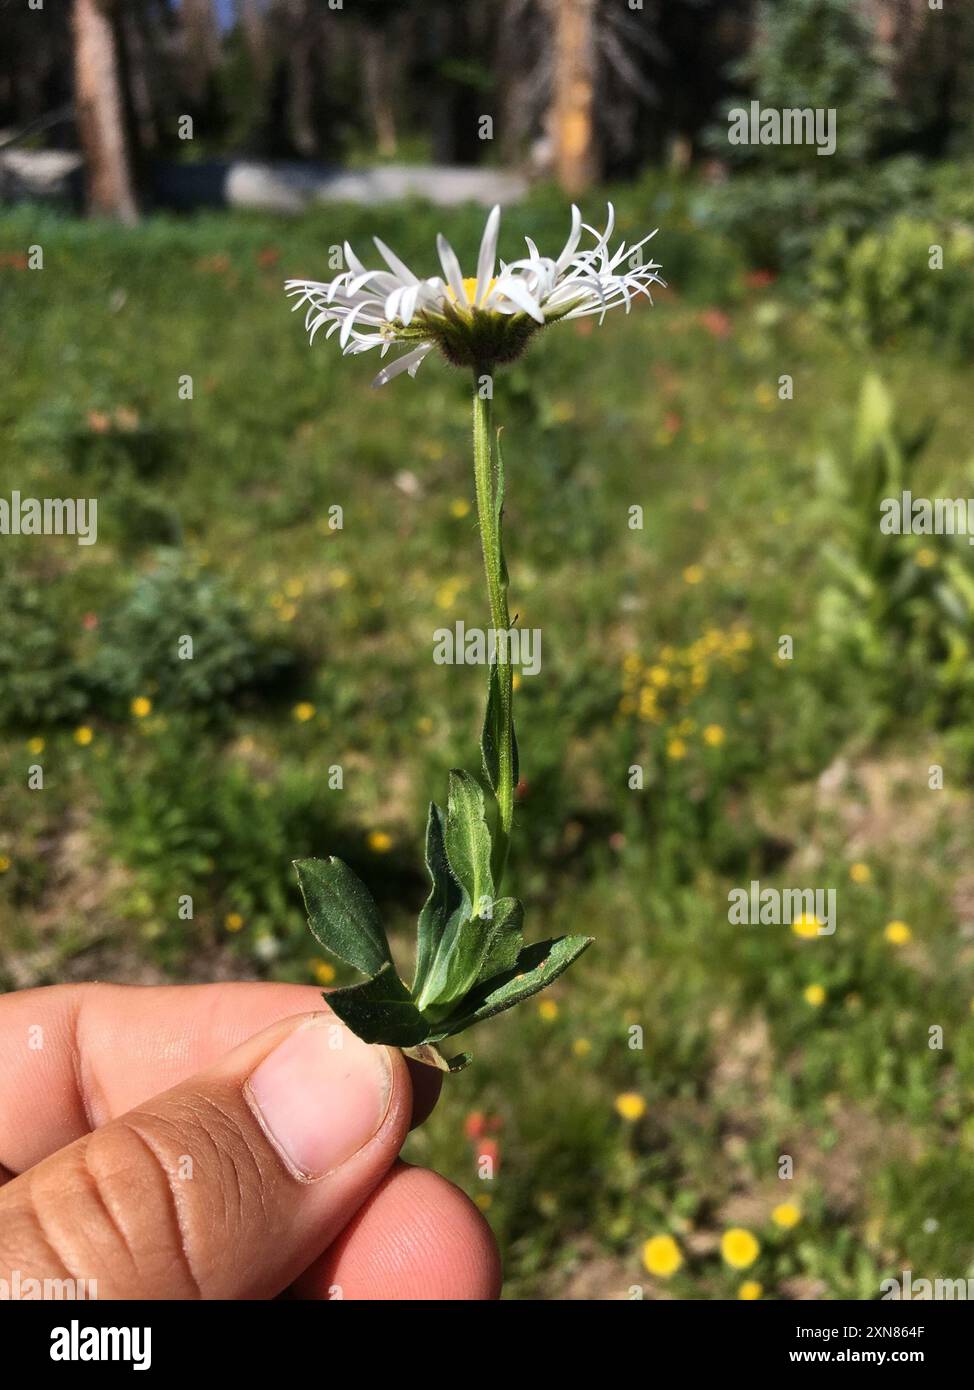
(227, 1186)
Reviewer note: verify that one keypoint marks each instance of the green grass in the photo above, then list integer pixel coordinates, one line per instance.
(674, 409)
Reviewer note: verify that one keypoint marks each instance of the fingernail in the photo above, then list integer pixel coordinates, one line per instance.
(320, 1096)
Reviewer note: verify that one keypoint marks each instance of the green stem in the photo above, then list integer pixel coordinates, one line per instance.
(500, 621)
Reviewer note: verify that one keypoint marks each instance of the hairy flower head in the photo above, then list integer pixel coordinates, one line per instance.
(478, 321)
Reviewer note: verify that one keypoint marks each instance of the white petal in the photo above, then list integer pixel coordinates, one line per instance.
(407, 305)
(451, 268)
(352, 261)
(515, 291)
(569, 248)
(488, 254)
(409, 362)
(397, 266)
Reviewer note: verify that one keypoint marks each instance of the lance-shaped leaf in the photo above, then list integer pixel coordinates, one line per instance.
(446, 905)
(342, 914)
(381, 1010)
(502, 940)
(536, 967)
(490, 738)
(475, 949)
(467, 839)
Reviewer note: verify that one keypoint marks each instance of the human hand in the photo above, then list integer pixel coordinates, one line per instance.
(157, 1141)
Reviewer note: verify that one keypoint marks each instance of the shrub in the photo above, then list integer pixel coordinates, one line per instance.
(884, 283)
(40, 683)
(182, 638)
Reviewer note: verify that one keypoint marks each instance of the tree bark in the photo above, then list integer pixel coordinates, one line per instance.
(572, 114)
(377, 81)
(101, 113)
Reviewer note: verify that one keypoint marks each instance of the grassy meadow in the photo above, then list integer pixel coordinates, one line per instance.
(654, 1090)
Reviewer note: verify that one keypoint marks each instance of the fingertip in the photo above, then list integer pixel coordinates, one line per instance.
(427, 1083)
(417, 1237)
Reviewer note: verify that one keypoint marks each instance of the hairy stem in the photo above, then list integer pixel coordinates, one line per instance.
(487, 512)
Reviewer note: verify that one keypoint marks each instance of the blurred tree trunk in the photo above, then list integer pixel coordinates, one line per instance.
(254, 24)
(200, 46)
(378, 88)
(101, 112)
(572, 116)
(299, 30)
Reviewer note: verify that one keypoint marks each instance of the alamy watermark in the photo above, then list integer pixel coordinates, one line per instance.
(926, 1290)
(473, 646)
(757, 125)
(756, 906)
(50, 516)
(907, 515)
(20, 1288)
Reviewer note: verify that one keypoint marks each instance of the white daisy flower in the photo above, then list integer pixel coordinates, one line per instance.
(482, 320)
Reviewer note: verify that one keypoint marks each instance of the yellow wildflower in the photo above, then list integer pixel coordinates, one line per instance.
(739, 1248)
(630, 1105)
(662, 1256)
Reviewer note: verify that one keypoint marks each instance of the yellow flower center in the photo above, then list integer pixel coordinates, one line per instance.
(470, 290)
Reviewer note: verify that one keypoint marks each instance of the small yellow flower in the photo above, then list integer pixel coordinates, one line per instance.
(630, 1105)
(714, 735)
(141, 706)
(786, 1215)
(806, 925)
(446, 595)
(304, 711)
(662, 1256)
(379, 842)
(815, 995)
(897, 933)
(339, 579)
(739, 1248)
(83, 736)
(925, 557)
(548, 1010)
(233, 921)
(676, 749)
(483, 1200)
(323, 972)
(424, 725)
(860, 873)
(658, 676)
(287, 612)
(581, 1047)
(693, 574)
(4, 864)
(294, 588)
(459, 508)
(35, 745)
(750, 1290)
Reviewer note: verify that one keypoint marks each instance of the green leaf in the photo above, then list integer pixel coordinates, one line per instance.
(342, 914)
(467, 839)
(380, 1010)
(478, 949)
(490, 738)
(536, 967)
(446, 905)
(502, 940)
